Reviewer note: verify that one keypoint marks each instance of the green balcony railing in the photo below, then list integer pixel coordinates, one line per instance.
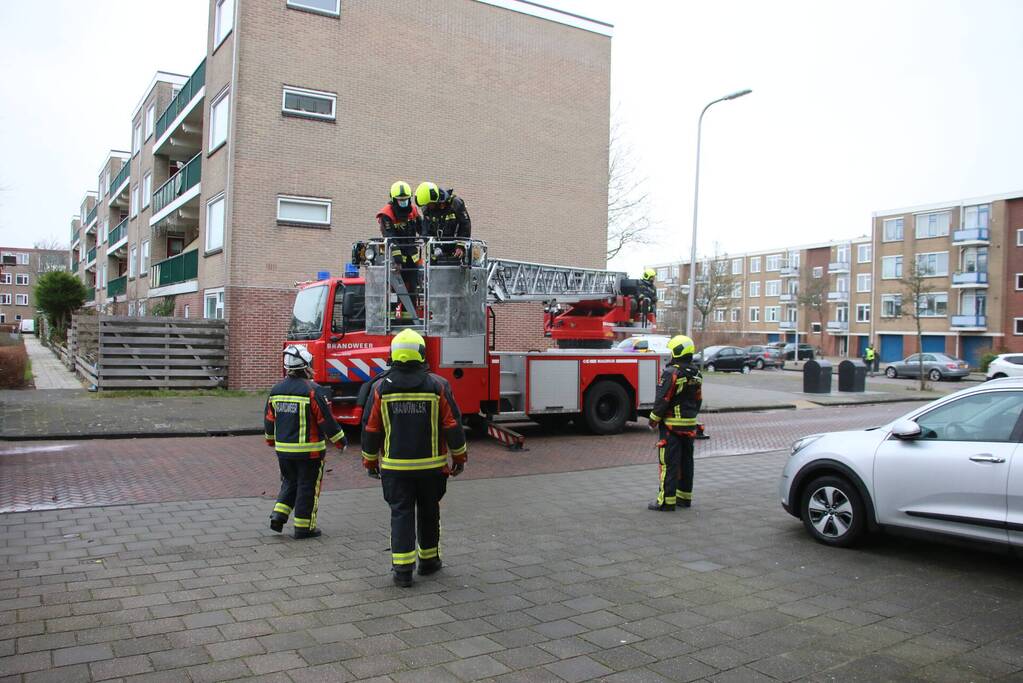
(91, 216)
(121, 176)
(90, 255)
(117, 286)
(180, 268)
(196, 81)
(74, 265)
(90, 293)
(118, 233)
(178, 184)
(74, 235)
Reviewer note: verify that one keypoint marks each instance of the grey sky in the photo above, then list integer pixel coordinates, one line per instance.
(856, 107)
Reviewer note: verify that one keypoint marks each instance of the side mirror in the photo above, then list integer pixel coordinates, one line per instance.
(348, 304)
(906, 430)
(642, 345)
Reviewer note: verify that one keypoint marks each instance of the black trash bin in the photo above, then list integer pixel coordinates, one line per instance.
(816, 377)
(852, 376)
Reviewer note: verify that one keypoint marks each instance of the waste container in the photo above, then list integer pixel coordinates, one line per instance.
(852, 376)
(817, 377)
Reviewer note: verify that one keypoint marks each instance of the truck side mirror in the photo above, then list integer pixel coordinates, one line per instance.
(349, 304)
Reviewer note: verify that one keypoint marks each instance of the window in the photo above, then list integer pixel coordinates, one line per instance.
(132, 263)
(188, 310)
(104, 180)
(142, 308)
(223, 21)
(1019, 281)
(772, 288)
(863, 253)
(933, 305)
(131, 308)
(988, 416)
(818, 272)
(891, 267)
(773, 263)
(842, 284)
(719, 315)
(754, 288)
(662, 274)
(842, 314)
(5, 279)
(736, 266)
(219, 114)
(303, 211)
(214, 299)
(17, 317)
(720, 267)
(21, 279)
(793, 314)
(737, 290)
(134, 202)
(1019, 238)
(754, 263)
(1018, 325)
(771, 313)
(21, 299)
(736, 315)
(863, 282)
(101, 276)
(977, 216)
(815, 328)
(22, 259)
(932, 225)
(144, 261)
(104, 231)
(150, 120)
(331, 7)
(891, 305)
(309, 103)
(932, 265)
(842, 253)
(863, 313)
(147, 189)
(5, 299)
(754, 314)
(136, 139)
(215, 223)
(893, 230)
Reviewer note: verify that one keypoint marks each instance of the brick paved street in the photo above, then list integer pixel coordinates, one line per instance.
(557, 577)
(41, 475)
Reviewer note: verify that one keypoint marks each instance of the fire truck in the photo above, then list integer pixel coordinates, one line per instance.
(347, 323)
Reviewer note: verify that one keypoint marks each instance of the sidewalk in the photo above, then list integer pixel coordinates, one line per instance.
(47, 371)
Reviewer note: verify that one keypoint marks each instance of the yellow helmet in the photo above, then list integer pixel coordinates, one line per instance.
(649, 274)
(408, 346)
(681, 345)
(427, 193)
(401, 190)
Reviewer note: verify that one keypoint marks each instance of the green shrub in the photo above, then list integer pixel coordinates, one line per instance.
(986, 359)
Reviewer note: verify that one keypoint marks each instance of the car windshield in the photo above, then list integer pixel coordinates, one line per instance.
(307, 314)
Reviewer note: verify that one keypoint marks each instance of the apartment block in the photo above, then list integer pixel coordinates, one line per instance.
(18, 276)
(261, 167)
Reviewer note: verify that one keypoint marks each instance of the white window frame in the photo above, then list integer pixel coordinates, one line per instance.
(221, 28)
(316, 201)
(131, 308)
(736, 290)
(331, 97)
(935, 295)
(144, 259)
(818, 272)
(1019, 237)
(147, 189)
(754, 314)
(133, 202)
(1019, 279)
(132, 263)
(842, 253)
(736, 315)
(22, 279)
(772, 288)
(6, 279)
(136, 139)
(754, 263)
(218, 202)
(897, 259)
(935, 254)
(754, 288)
(141, 309)
(21, 299)
(863, 313)
(1017, 326)
(842, 314)
(297, 4)
(916, 224)
(719, 315)
(772, 314)
(104, 231)
(896, 302)
(213, 143)
(5, 299)
(217, 294)
(23, 258)
(187, 310)
(150, 120)
(862, 278)
(772, 263)
(737, 266)
(884, 229)
(864, 252)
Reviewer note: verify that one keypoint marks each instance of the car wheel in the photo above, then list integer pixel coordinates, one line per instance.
(999, 375)
(746, 369)
(760, 363)
(710, 367)
(890, 372)
(934, 376)
(832, 511)
(606, 407)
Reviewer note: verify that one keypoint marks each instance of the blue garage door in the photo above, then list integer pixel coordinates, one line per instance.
(773, 337)
(972, 348)
(933, 343)
(891, 348)
(861, 346)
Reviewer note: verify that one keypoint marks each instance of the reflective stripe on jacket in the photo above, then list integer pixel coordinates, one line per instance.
(679, 397)
(298, 421)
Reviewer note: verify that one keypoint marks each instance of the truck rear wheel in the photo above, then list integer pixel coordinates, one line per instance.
(606, 407)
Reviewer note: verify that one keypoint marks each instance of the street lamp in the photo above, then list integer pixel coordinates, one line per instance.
(696, 201)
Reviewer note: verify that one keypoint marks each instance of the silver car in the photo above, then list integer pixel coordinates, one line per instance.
(953, 467)
(937, 366)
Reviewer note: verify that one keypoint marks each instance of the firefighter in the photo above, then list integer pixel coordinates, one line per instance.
(646, 294)
(679, 396)
(400, 221)
(414, 418)
(297, 422)
(869, 356)
(444, 218)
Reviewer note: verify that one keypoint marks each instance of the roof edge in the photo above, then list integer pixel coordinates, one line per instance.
(535, 9)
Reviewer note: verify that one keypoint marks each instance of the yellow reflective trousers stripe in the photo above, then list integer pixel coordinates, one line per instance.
(403, 558)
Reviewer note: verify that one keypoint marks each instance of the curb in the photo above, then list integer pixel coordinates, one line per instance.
(749, 409)
(129, 435)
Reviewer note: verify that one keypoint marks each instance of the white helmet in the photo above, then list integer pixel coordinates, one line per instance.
(297, 358)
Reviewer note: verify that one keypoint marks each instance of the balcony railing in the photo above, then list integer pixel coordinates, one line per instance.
(838, 326)
(118, 233)
(971, 235)
(74, 265)
(121, 176)
(178, 184)
(838, 296)
(180, 268)
(786, 325)
(970, 278)
(195, 82)
(838, 267)
(789, 271)
(91, 216)
(787, 298)
(117, 287)
(75, 236)
(90, 255)
(973, 321)
(90, 293)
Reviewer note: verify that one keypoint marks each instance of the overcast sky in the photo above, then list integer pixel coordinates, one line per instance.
(857, 106)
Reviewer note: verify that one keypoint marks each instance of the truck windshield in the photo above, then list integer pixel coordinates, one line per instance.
(307, 316)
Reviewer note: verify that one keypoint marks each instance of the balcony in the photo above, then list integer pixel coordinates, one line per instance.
(789, 271)
(90, 258)
(786, 325)
(176, 275)
(74, 265)
(119, 186)
(117, 287)
(179, 128)
(970, 236)
(179, 190)
(787, 298)
(118, 237)
(969, 280)
(969, 322)
(90, 295)
(90, 218)
(838, 267)
(76, 236)
(838, 326)
(838, 297)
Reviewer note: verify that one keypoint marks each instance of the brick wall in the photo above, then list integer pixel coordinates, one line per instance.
(257, 323)
(1013, 264)
(520, 327)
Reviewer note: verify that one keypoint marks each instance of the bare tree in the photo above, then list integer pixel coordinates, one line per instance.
(915, 288)
(813, 295)
(628, 205)
(714, 285)
(50, 243)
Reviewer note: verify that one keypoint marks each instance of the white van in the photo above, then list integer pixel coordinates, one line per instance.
(28, 325)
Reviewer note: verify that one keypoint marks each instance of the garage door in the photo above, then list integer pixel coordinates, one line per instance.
(861, 346)
(973, 348)
(933, 343)
(891, 348)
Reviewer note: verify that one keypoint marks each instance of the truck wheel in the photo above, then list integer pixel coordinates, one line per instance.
(606, 407)
(552, 422)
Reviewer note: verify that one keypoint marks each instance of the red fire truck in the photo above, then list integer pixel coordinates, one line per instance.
(347, 324)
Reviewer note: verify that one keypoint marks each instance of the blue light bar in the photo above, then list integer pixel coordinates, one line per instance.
(323, 275)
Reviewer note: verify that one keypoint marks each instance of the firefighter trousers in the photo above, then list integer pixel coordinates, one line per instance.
(675, 457)
(300, 490)
(415, 515)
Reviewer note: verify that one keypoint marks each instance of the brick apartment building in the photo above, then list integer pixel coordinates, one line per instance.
(971, 251)
(18, 275)
(260, 168)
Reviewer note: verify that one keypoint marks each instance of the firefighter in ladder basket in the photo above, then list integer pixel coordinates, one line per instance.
(400, 222)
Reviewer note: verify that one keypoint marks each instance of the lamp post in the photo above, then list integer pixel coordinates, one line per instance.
(696, 202)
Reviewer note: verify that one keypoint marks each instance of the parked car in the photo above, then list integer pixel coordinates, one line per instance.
(946, 468)
(28, 325)
(806, 352)
(645, 343)
(726, 358)
(937, 366)
(1006, 365)
(764, 356)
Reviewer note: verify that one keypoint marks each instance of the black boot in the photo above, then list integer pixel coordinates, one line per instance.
(660, 508)
(686, 503)
(403, 578)
(307, 533)
(277, 521)
(431, 566)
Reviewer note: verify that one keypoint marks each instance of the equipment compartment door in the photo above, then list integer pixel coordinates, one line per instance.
(648, 376)
(553, 386)
(463, 352)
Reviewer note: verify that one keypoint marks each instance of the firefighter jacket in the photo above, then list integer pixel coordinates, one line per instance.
(646, 296)
(297, 421)
(402, 226)
(679, 396)
(448, 221)
(414, 421)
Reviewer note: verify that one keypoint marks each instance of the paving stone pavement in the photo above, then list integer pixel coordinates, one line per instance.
(47, 371)
(557, 577)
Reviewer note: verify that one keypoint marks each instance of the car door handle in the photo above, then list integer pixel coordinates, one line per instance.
(986, 457)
